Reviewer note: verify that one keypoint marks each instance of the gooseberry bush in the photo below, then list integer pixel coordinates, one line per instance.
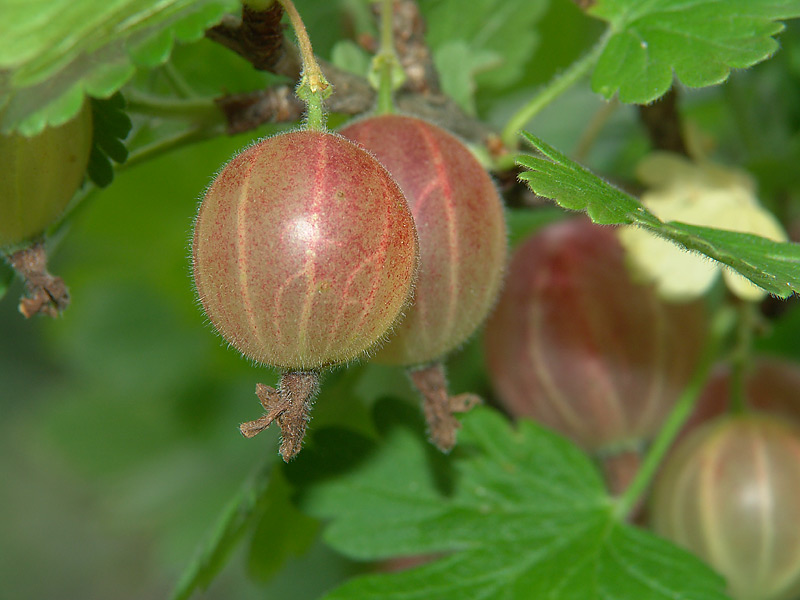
(514, 282)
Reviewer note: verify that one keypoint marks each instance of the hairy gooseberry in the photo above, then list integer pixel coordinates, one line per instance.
(305, 254)
(462, 237)
(729, 494)
(40, 176)
(578, 346)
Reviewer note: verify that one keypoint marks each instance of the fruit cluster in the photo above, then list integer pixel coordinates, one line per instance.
(306, 256)
(577, 345)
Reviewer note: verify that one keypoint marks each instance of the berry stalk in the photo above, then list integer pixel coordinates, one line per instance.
(385, 64)
(313, 88)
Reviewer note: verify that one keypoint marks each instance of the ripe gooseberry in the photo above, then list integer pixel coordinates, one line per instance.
(577, 345)
(462, 236)
(729, 494)
(305, 255)
(40, 176)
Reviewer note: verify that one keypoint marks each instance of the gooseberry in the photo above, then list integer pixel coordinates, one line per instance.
(40, 176)
(462, 236)
(576, 345)
(729, 494)
(461, 228)
(305, 255)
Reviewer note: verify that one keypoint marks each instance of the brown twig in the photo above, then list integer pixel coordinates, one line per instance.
(244, 112)
(258, 37)
(414, 54)
(44, 293)
(353, 95)
(663, 123)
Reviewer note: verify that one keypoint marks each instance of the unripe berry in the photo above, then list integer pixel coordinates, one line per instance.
(305, 255)
(461, 227)
(729, 494)
(578, 346)
(304, 251)
(40, 176)
(462, 237)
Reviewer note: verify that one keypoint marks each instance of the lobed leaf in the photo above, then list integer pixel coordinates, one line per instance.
(775, 266)
(111, 125)
(54, 52)
(698, 41)
(516, 514)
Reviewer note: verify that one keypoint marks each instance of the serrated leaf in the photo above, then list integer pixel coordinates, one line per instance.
(518, 514)
(775, 266)
(52, 53)
(111, 125)
(699, 41)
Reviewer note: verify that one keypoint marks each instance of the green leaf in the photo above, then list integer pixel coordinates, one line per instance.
(351, 57)
(699, 41)
(282, 532)
(458, 64)
(53, 52)
(239, 516)
(518, 514)
(503, 30)
(6, 277)
(775, 266)
(111, 125)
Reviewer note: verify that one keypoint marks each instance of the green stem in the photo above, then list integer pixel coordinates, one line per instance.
(164, 145)
(740, 357)
(202, 110)
(557, 86)
(386, 61)
(682, 410)
(177, 81)
(313, 88)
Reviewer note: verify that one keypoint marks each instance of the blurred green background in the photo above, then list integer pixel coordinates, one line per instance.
(119, 445)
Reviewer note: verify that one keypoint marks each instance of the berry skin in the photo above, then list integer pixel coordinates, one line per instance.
(40, 176)
(577, 345)
(462, 234)
(304, 251)
(305, 255)
(462, 237)
(729, 494)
